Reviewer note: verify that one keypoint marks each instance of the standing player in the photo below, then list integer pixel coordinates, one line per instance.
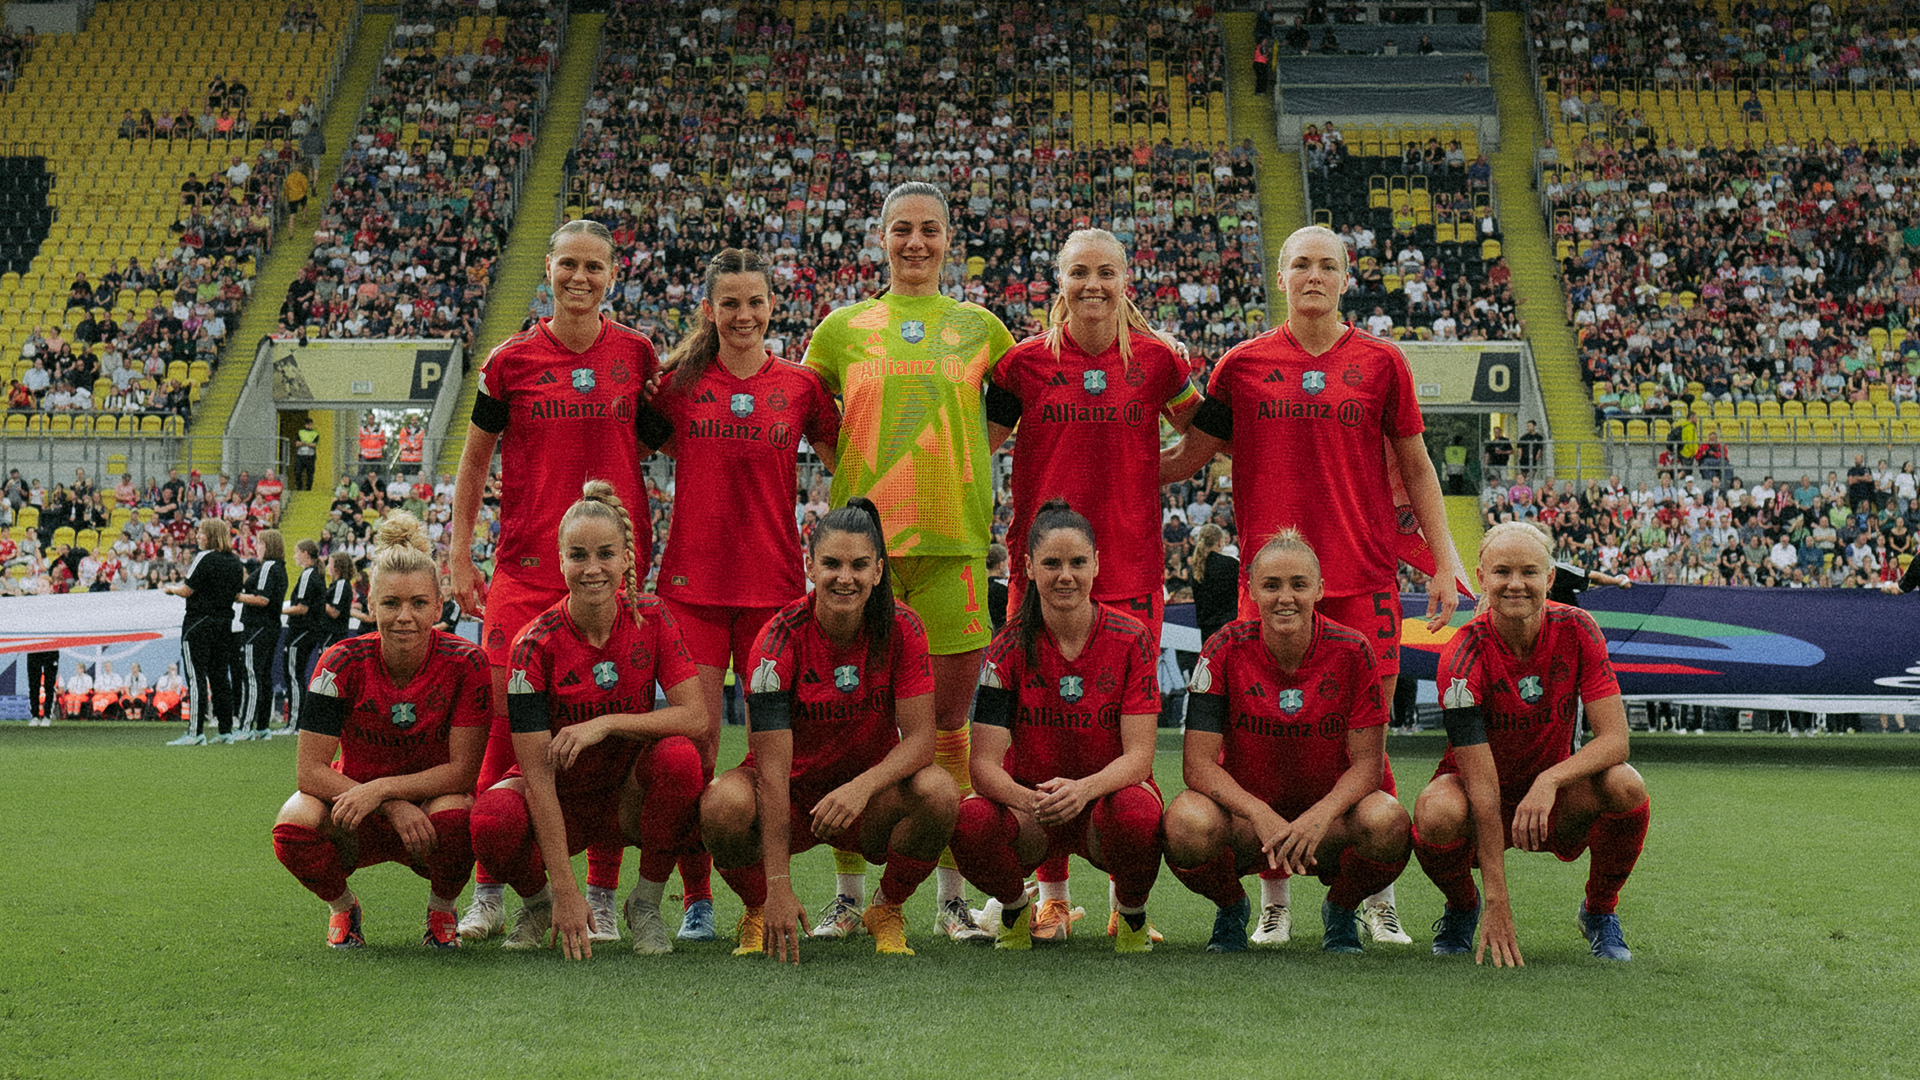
(559, 401)
(206, 637)
(1512, 681)
(1087, 396)
(1063, 763)
(732, 415)
(261, 598)
(1320, 416)
(840, 715)
(596, 763)
(910, 366)
(390, 741)
(1284, 751)
(304, 626)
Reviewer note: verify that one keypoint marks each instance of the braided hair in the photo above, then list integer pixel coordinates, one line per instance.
(599, 503)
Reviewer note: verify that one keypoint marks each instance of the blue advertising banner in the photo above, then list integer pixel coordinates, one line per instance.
(1687, 640)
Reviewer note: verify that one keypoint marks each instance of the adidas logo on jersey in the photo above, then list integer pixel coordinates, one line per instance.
(1059, 379)
(705, 398)
(546, 377)
(572, 679)
(1275, 376)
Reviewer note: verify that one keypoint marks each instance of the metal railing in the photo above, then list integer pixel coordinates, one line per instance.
(52, 459)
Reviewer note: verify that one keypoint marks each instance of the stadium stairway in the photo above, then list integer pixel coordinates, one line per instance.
(1283, 199)
(1540, 296)
(303, 514)
(522, 261)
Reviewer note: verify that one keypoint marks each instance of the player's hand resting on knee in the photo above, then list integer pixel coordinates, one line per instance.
(415, 828)
(1059, 801)
(838, 810)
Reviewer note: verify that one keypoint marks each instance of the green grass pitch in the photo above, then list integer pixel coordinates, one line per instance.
(150, 933)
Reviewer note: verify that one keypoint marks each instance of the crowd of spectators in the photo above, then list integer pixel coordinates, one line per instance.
(410, 232)
(118, 535)
(729, 126)
(1731, 274)
(1867, 43)
(1709, 528)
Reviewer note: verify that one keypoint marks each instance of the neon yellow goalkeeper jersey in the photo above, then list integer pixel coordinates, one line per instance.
(910, 372)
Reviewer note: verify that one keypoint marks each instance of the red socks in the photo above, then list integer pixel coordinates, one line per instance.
(1614, 842)
(1214, 879)
(312, 858)
(452, 860)
(903, 875)
(1128, 822)
(670, 772)
(982, 848)
(503, 840)
(1360, 877)
(1451, 868)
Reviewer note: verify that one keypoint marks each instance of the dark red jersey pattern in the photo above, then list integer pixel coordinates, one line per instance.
(1308, 448)
(569, 419)
(839, 707)
(1529, 706)
(1066, 713)
(388, 730)
(1090, 433)
(735, 442)
(1286, 735)
(556, 668)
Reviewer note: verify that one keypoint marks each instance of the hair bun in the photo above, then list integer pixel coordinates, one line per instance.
(401, 529)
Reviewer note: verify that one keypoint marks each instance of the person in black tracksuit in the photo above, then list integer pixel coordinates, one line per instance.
(336, 608)
(206, 637)
(304, 624)
(260, 600)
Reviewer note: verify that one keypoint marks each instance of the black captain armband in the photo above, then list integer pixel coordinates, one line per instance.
(322, 714)
(770, 710)
(1466, 727)
(1214, 417)
(489, 413)
(527, 713)
(995, 705)
(652, 428)
(1207, 712)
(1003, 405)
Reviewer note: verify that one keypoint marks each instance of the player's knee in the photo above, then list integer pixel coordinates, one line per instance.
(978, 819)
(1195, 828)
(302, 809)
(1383, 827)
(1621, 789)
(1441, 812)
(728, 810)
(449, 802)
(934, 794)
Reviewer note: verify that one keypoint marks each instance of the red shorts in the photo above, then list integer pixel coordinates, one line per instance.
(800, 835)
(1071, 838)
(376, 841)
(1375, 615)
(715, 632)
(510, 607)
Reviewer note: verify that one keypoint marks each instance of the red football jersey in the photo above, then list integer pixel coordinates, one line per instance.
(1066, 713)
(388, 730)
(840, 708)
(1286, 735)
(736, 442)
(1530, 707)
(556, 674)
(1307, 449)
(570, 419)
(1090, 433)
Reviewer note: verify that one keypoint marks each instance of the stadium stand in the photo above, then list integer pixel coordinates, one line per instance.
(129, 243)
(427, 189)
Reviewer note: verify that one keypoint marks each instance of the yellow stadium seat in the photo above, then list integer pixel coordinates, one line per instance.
(63, 536)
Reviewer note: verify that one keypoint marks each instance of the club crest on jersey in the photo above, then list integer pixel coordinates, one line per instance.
(741, 405)
(583, 379)
(1313, 381)
(1094, 381)
(401, 715)
(846, 678)
(1352, 376)
(1531, 690)
(620, 373)
(766, 677)
(1072, 688)
(1292, 700)
(605, 675)
(913, 331)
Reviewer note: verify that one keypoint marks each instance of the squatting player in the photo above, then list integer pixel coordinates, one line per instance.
(559, 400)
(1285, 746)
(1063, 754)
(1512, 682)
(391, 732)
(910, 366)
(1318, 416)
